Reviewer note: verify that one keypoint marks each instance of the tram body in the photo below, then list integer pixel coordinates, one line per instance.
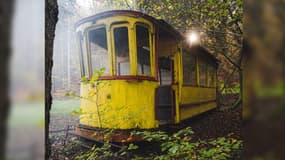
(154, 78)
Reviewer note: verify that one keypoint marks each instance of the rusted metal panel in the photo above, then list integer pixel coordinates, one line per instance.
(95, 134)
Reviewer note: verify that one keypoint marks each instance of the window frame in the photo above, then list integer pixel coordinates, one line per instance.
(113, 54)
(110, 24)
(150, 37)
(203, 62)
(196, 70)
(214, 73)
(87, 45)
(83, 68)
(208, 65)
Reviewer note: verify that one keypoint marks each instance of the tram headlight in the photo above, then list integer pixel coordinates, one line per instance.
(193, 38)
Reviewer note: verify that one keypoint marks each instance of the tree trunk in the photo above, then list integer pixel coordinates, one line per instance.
(51, 13)
(5, 28)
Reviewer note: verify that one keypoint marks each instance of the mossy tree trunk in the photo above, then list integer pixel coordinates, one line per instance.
(51, 17)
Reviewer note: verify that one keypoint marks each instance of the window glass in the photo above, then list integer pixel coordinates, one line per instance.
(143, 50)
(212, 73)
(165, 77)
(121, 41)
(82, 56)
(203, 73)
(189, 69)
(98, 49)
(164, 70)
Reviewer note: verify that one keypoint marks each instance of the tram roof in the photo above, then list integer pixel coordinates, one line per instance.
(199, 50)
(161, 24)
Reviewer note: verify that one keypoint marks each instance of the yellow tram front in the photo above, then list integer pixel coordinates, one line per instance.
(143, 85)
(124, 45)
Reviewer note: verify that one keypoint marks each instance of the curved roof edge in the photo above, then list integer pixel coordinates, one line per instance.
(202, 50)
(161, 24)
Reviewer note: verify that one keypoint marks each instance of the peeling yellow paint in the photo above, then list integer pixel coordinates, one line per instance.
(122, 105)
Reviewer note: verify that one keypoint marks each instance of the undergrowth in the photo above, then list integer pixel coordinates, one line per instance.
(179, 145)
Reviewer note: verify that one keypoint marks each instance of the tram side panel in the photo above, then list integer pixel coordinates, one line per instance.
(122, 104)
(197, 87)
(196, 100)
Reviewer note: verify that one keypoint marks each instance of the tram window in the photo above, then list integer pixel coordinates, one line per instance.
(211, 76)
(82, 56)
(189, 69)
(164, 70)
(98, 49)
(143, 50)
(203, 73)
(165, 77)
(121, 41)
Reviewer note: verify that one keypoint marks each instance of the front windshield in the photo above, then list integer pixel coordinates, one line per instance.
(98, 49)
(121, 39)
(143, 50)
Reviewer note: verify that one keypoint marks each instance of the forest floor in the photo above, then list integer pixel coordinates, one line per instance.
(264, 132)
(213, 124)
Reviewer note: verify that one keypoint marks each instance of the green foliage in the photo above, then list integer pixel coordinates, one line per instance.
(95, 77)
(106, 152)
(84, 80)
(204, 14)
(72, 94)
(230, 90)
(235, 90)
(176, 146)
(180, 146)
(132, 147)
(220, 148)
(77, 112)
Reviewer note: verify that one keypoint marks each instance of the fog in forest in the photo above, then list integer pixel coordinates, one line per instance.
(26, 120)
(66, 69)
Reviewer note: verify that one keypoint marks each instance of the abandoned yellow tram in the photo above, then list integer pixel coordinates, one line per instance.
(154, 78)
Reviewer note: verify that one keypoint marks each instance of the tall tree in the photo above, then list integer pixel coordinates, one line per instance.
(51, 13)
(5, 28)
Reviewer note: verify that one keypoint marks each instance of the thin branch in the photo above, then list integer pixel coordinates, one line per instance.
(128, 4)
(227, 79)
(231, 61)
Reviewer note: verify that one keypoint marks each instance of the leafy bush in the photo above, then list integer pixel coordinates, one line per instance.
(179, 145)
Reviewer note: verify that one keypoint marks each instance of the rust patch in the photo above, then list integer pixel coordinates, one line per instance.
(101, 135)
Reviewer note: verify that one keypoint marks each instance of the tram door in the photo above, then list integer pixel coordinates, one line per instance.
(164, 92)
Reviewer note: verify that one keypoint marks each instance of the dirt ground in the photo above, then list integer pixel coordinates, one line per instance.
(264, 132)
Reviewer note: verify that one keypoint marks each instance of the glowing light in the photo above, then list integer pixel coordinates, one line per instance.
(193, 38)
